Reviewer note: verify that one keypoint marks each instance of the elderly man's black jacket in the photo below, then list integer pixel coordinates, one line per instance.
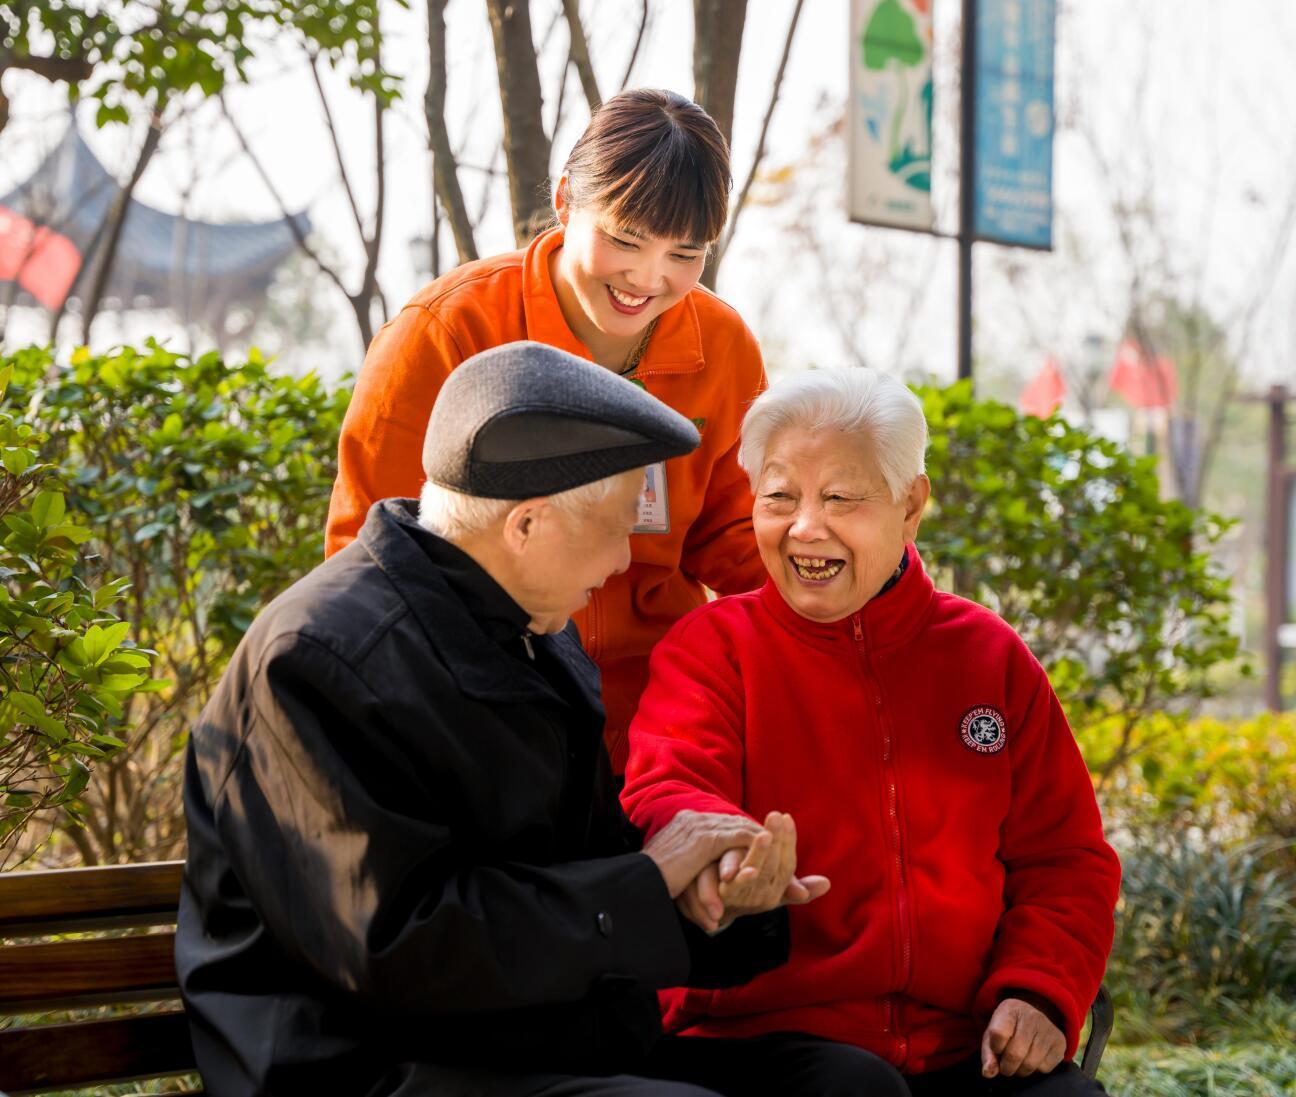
(405, 843)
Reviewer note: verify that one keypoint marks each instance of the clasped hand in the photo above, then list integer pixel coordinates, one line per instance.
(741, 868)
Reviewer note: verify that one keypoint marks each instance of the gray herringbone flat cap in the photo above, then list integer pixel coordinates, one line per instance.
(526, 419)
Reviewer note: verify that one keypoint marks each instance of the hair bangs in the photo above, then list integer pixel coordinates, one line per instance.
(668, 202)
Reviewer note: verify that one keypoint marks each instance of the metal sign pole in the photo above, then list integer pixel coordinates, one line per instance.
(1278, 548)
(967, 186)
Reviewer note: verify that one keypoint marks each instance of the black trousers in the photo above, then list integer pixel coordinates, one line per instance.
(785, 1064)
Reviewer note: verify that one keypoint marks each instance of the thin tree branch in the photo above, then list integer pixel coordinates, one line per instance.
(580, 56)
(70, 69)
(639, 37)
(562, 100)
(107, 254)
(760, 141)
(337, 146)
(373, 245)
(293, 227)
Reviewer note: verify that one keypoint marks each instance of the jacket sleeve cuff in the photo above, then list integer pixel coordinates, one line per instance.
(657, 814)
(636, 920)
(750, 946)
(1004, 980)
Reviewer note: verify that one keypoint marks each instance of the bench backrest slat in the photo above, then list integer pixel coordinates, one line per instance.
(53, 1057)
(76, 898)
(79, 973)
(54, 957)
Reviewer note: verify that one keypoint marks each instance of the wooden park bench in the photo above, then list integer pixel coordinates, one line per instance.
(109, 952)
(76, 939)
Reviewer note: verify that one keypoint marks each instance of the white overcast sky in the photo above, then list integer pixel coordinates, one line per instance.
(1211, 137)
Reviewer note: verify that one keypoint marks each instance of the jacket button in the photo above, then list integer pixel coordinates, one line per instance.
(604, 922)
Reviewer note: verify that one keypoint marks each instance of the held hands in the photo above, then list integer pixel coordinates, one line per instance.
(1020, 1040)
(752, 879)
(693, 840)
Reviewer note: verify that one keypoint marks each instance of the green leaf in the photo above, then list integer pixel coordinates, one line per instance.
(47, 509)
(17, 459)
(121, 683)
(110, 592)
(78, 778)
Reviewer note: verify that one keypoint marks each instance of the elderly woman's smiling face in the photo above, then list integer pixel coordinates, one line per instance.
(829, 532)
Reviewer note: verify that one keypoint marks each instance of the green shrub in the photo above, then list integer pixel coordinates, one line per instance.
(66, 665)
(207, 485)
(1066, 536)
(1229, 778)
(1200, 930)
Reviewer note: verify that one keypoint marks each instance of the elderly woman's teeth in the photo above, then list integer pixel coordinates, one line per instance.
(816, 567)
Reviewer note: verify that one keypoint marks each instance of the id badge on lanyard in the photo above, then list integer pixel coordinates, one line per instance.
(654, 505)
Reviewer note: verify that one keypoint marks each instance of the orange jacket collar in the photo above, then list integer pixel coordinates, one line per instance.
(676, 344)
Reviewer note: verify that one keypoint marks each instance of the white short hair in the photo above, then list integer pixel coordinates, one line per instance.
(854, 400)
(451, 514)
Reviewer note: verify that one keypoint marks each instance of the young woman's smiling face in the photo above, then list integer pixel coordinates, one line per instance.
(619, 279)
(828, 530)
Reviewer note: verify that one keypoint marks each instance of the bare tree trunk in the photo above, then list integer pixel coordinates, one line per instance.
(526, 148)
(435, 265)
(369, 288)
(106, 254)
(717, 43)
(736, 212)
(445, 171)
(580, 56)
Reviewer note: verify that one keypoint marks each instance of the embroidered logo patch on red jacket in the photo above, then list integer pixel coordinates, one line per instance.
(983, 730)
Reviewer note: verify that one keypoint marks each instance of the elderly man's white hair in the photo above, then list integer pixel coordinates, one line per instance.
(452, 515)
(855, 399)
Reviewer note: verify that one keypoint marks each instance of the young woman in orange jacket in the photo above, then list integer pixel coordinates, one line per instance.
(642, 197)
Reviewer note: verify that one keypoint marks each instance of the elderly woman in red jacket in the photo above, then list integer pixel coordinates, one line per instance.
(919, 747)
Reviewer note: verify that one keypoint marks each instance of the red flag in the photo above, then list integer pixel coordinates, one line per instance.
(1044, 394)
(1145, 382)
(44, 262)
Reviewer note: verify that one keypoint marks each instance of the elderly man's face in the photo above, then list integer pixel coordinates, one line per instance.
(829, 532)
(570, 555)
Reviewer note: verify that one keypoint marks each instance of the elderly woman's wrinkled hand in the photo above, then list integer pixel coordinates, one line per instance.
(751, 880)
(1020, 1040)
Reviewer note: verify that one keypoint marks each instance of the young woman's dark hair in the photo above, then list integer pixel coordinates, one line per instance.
(654, 162)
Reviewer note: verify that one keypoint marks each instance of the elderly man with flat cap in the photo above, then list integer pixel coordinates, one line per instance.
(408, 872)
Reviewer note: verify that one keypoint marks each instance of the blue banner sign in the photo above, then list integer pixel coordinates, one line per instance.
(1013, 177)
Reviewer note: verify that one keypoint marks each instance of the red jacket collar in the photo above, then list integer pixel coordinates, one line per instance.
(884, 621)
(676, 344)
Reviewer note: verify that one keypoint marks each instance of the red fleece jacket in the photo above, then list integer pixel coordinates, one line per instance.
(932, 776)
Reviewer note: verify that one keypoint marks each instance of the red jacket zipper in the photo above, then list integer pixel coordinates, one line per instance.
(893, 815)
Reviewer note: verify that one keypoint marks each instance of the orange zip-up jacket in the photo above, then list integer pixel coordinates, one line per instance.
(702, 361)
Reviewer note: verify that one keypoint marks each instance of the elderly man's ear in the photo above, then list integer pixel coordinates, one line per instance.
(524, 522)
(915, 503)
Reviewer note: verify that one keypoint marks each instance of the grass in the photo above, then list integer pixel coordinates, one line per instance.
(1229, 1070)
(1238, 1049)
